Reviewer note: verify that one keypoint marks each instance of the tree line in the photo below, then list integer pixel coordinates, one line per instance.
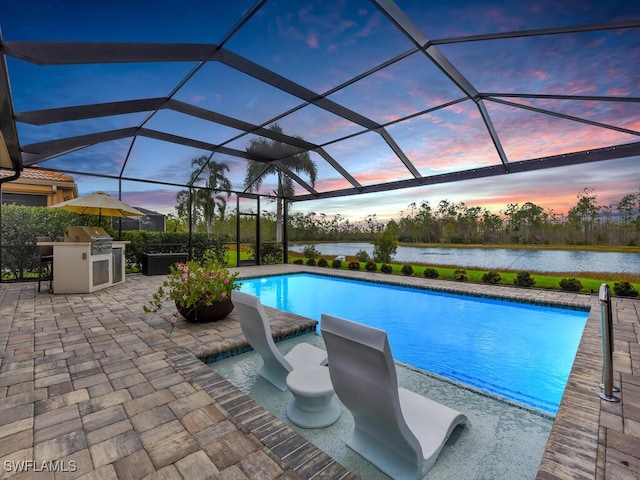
(205, 206)
(586, 223)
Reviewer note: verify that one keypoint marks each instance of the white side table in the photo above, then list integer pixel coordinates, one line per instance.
(313, 404)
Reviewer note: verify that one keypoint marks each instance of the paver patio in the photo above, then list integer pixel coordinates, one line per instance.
(91, 383)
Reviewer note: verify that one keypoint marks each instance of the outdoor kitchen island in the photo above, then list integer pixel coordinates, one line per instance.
(87, 260)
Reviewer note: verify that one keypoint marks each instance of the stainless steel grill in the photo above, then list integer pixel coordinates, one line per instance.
(101, 242)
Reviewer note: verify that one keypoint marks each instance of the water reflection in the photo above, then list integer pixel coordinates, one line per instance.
(499, 258)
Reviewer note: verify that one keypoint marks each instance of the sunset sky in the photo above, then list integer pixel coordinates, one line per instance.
(322, 46)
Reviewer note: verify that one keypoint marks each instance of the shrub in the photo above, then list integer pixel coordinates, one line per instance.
(18, 237)
(323, 262)
(270, 253)
(311, 262)
(194, 283)
(336, 264)
(362, 256)
(460, 274)
(203, 245)
(298, 261)
(354, 266)
(386, 268)
(524, 279)
(492, 278)
(407, 269)
(214, 247)
(371, 266)
(431, 273)
(310, 251)
(624, 289)
(570, 284)
(385, 247)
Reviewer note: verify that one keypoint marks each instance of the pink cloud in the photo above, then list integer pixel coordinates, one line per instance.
(158, 200)
(344, 25)
(312, 40)
(331, 24)
(555, 190)
(538, 75)
(595, 43)
(337, 125)
(619, 92)
(330, 184)
(374, 176)
(373, 23)
(305, 14)
(579, 87)
(501, 19)
(547, 135)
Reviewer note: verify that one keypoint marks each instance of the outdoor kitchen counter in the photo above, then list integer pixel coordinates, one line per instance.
(77, 270)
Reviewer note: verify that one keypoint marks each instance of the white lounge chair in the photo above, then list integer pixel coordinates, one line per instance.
(255, 326)
(399, 431)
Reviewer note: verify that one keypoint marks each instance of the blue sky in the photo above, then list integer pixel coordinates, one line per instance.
(322, 46)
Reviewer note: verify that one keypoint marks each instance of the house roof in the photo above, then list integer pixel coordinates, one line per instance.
(40, 175)
(149, 213)
(381, 95)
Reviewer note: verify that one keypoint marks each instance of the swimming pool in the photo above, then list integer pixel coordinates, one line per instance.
(518, 351)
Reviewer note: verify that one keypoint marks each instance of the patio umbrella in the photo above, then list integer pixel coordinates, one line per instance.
(99, 203)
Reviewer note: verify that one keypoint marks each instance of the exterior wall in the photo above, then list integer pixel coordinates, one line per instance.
(54, 193)
(40, 183)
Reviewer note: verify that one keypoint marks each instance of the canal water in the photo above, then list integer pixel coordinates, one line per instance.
(497, 258)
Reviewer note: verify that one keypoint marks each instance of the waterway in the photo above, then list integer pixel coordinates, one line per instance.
(497, 258)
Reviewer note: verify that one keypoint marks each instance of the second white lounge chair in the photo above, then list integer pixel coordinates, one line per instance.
(256, 329)
(399, 431)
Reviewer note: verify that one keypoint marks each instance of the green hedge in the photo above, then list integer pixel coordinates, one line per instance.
(143, 242)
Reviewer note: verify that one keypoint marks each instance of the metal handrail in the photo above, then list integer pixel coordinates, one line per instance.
(607, 346)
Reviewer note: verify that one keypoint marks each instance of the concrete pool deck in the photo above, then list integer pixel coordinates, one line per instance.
(91, 383)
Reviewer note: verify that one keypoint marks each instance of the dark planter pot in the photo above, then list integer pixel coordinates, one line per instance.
(206, 313)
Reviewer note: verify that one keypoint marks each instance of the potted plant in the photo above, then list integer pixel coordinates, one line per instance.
(201, 292)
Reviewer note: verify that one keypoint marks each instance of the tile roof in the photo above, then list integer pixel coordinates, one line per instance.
(39, 174)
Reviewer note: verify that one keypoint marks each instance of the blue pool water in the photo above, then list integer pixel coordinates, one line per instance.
(515, 350)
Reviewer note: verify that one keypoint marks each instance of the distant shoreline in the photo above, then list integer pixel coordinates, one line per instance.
(507, 246)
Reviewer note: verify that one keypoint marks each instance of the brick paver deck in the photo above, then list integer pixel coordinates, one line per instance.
(91, 383)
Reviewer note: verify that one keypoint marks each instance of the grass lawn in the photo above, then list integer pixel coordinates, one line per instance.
(590, 281)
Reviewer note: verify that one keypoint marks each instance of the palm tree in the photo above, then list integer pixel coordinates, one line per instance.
(213, 195)
(289, 156)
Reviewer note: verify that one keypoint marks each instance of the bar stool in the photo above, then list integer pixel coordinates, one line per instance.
(45, 262)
